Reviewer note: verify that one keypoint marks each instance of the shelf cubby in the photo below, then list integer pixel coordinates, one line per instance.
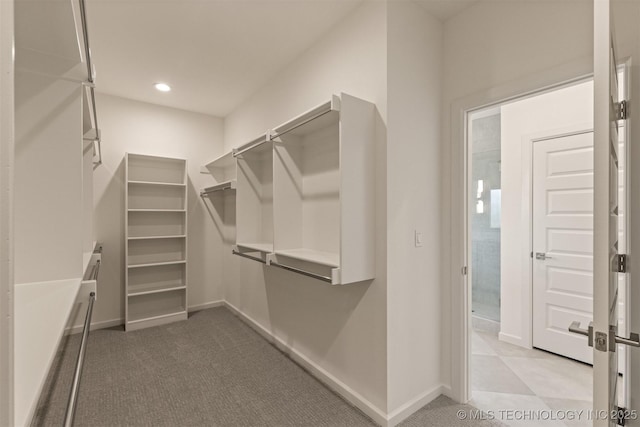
(156, 197)
(254, 198)
(156, 240)
(144, 168)
(155, 223)
(324, 191)
(151, 251)
(156, 308)
(156, 279)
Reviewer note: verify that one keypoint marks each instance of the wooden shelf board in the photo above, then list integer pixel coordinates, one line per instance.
(155, 290)
(166, 184)
(260, 247)
(177, 236)
(157, 315)
(221, 162)
(153, 264)
(329, 259)
(223, 186)
(157, 210)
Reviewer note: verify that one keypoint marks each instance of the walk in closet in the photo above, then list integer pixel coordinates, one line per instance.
(156, 240)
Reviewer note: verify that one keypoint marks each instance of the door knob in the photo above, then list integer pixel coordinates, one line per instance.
(542, 256)
(576, 329)
(633, 340)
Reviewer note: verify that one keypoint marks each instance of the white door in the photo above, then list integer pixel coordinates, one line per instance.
(563, 243)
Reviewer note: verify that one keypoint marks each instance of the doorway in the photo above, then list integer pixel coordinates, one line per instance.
(539, 210)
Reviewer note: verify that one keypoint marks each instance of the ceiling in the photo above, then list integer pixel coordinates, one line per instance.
(213, 53)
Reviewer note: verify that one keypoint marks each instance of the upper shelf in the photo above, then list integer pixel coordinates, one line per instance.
(223, 162)
(168, 184)
(311, 121)
(226, 185)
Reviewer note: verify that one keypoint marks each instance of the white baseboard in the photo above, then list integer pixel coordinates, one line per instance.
(325, 377)
(446, 390)
(206, 305)
(409, 408)
(512, 339)
(76, 329)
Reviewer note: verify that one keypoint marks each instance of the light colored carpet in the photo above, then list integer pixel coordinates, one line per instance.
(211, 370)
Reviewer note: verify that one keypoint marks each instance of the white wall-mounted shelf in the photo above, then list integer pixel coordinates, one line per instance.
(168, 184)
(324, 191)
(156, 240)
(178, 236)
(156, 264)
(327, 259)
(223, 186)
(221, 168)
(306, 192)
(266, 248)
(157, 210)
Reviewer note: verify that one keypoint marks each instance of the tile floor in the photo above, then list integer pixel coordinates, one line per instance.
(514, 383)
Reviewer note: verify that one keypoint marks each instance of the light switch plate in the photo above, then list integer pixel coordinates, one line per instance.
(418, 239)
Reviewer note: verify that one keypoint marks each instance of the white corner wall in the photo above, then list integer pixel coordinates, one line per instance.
(340, 331)
(520, 121)
(413, 189)
(138, 127)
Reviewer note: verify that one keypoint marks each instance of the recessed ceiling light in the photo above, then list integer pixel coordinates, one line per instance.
(162, 87)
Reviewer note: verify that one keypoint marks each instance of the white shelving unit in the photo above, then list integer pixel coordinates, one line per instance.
(305, 193)
(324, 192)
(156, 240)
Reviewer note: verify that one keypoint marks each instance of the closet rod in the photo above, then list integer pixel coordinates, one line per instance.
(304, 273)
(213, 190)
(254, 258)
(90, 77)
(95, 271)
(75, 385)
(251, 145)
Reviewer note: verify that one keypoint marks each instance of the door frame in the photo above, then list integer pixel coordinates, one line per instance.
(6, 210)
(459, 162)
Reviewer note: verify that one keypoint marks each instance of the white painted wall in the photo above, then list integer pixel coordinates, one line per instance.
(341, 330)
(137, 127)
(520, 121)
(414, 54)
(6, 211)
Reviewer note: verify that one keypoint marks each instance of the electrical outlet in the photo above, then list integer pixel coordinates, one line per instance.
(418, 239)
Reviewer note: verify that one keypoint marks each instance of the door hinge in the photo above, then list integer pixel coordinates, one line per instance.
(622, 110)
(621, 263)
(464, 270)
